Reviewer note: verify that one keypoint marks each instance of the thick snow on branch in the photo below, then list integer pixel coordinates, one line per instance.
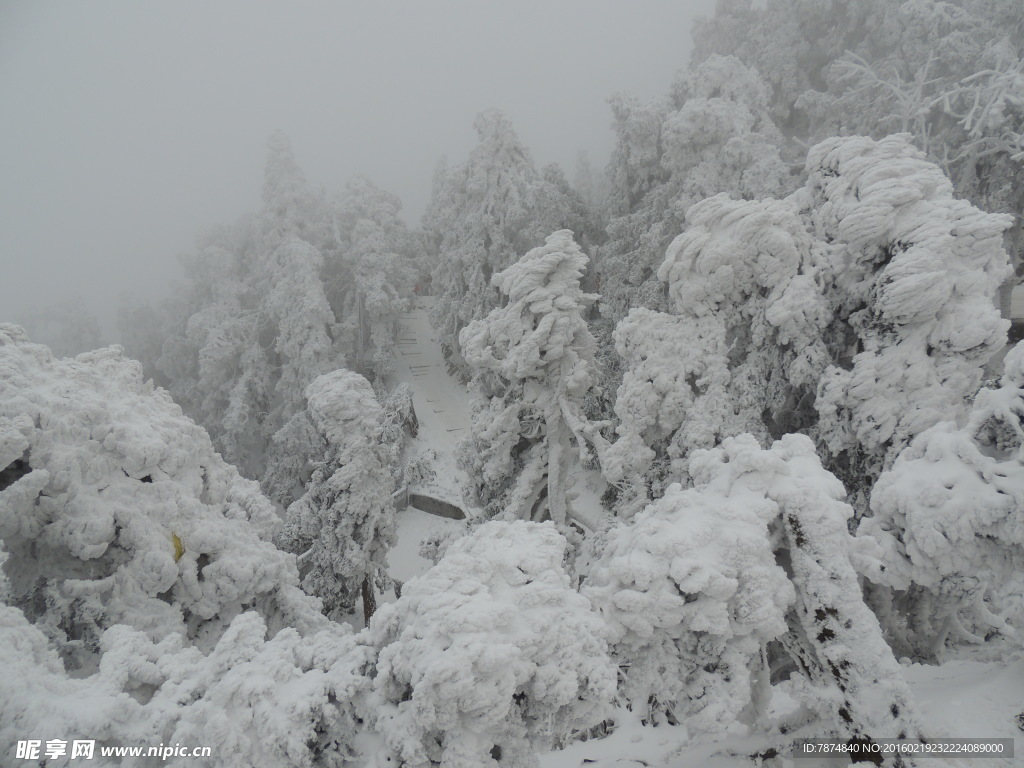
(744, 349)
(691, 592)
(141, 563)
(696, 585)
(490, 654)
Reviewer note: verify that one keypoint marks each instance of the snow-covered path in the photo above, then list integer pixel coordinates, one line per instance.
(442, 409)
(441, 401)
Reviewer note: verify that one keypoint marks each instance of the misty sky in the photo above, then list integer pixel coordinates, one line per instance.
(128, 127)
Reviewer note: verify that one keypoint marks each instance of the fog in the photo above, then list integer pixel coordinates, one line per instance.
(129, 127)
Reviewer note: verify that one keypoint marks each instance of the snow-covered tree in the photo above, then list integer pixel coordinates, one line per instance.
(117, 510)
(695, 586)
(483, 215)
(948, 73)
(692, 594)
(375, 273)
(711, 135)
(274, 301)
(344, 524)
(134, 558)
(859, 310)
(742, 352)
(916, 273)
(490, 656)
(533, 361)
(948, 517)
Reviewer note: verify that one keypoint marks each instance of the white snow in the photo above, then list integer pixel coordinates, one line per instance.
(960, 699)
(404, 561)
(440, 400)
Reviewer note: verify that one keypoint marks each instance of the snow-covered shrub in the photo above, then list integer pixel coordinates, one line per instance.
(490, 655)
(115, 509)
(134, 557)
(257, 703)
(344, 524)
(949, 518)
(533, 361)
(696, 585)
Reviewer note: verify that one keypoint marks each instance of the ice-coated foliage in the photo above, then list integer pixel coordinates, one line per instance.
(949, 73)
(135, 557)
(742, 352)
(483, 214)
(859, 310)
(376, 247)
(344, 524)
(491, 654)
(948, 516)
(711, 135)
(533, 361)
(691, 593)
(916, 272)
(283, 296)
(256, 702)
(695, 586)
(116, 509)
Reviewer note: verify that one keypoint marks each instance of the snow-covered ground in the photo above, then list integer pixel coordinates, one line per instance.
(404, 560)
(960, 699)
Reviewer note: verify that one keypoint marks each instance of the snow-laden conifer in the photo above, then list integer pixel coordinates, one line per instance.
(136, 559)
(916, 272)
(695, 586)
(533, 361)
(117, 510)
(742, 351)
(344, 524)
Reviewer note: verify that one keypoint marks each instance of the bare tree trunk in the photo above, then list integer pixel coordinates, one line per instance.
(369, 599)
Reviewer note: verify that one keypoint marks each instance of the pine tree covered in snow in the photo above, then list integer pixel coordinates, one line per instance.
(376, 253)
(278, 299)
(711, 135)
(916, 273)
(743, 351)
(695, 586)
(490, 656)
(859, 310)
(344, 524)
(117, 509)
(947, 73)
(482, 216)
(533, 361)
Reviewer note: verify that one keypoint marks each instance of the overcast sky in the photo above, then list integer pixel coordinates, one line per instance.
(128, 127)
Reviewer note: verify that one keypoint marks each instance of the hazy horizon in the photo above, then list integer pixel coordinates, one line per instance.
(131, 128)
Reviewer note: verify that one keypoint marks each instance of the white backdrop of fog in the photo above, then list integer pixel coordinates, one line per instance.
(127, 128)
